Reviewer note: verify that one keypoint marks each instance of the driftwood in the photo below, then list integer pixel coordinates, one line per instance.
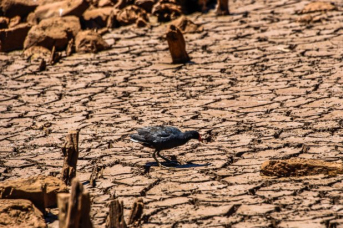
(296, 167)
(70, 152)
(222, 7)
(177, 45)
(74, 208)
(136, 212)
(70, 48)
(96, 173)
(55, 56)
(42, 65)
(115, 218)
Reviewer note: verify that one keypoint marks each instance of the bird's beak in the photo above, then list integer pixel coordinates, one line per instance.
(200, 139)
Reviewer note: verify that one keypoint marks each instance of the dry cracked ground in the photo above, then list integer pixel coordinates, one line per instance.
(261, 85)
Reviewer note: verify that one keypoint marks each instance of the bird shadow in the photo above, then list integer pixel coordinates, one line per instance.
(176, 165)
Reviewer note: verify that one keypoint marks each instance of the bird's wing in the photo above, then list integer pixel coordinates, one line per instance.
(157, 133)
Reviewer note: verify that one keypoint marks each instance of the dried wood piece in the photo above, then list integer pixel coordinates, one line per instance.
(55, 56)
(96, 173)
(85, 220)
(115, 218)
(222, 7)
(70, 152)
(63, 204)
(177, 45)
(42, 65)
(136, 212)
(70, 48)
(300, 167)
(74, 208)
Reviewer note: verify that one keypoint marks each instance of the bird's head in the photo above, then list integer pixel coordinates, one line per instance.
(196, 135)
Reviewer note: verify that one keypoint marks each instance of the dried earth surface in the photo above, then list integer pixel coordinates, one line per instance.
(262, 84)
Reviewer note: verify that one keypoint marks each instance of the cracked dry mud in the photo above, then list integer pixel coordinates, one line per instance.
(260, 85)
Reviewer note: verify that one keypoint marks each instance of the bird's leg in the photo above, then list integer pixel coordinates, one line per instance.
(164, 158)
(154, 156)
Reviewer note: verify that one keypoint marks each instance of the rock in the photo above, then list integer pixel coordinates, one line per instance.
(145, 4)
(318, 6)
(37, 52)
(121, 4)
(14, 21)
(97, 18)
(53, 32)
(130, 14)
(300, 167)
(187, 26)
(22, 8)
(13, 38)
(59, 9)
(104, 3)
(191, 6)
(166, 11)
(89, 41)
(4, 21)
(32, 189)
(20, 213)
(140, 23)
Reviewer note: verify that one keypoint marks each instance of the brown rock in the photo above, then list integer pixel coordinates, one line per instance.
(300, 167)
(104, 3)
(97, 18)
(187, 26)
(145, 4)
(59, 9)
(13, 38)
(166, 11)
(20, 213)
(130, 14)
(22, 8)
(53, 32)
(140, 23)
(14, 21)
(121, 4)
(4, 21)
(318, 6)
(37, 52)
(33, 189)
(89, 41)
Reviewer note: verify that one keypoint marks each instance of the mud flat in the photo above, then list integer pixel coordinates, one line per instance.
(263, 83)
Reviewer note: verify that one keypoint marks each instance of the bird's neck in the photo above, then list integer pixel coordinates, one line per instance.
(187, 135)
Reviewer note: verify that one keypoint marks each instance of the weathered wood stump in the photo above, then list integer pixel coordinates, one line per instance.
(74, 208)
(115, 218)
(55, 56)
(70, 152)
(222, 7)
(136, 212)
(177, 45)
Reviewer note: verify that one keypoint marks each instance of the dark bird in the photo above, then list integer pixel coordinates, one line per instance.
(163, 138)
